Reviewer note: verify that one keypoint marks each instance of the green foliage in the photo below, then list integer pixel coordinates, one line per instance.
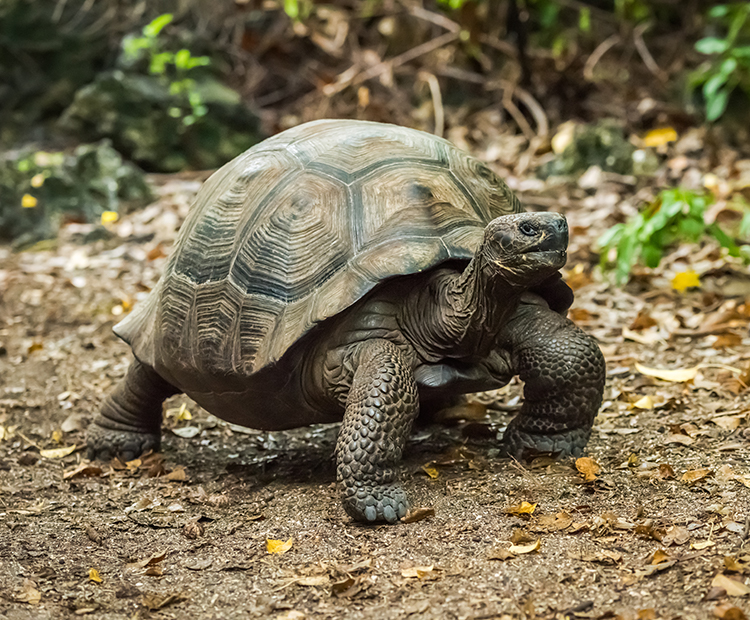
(729, 66)
(174, 69)
(39, 190)
(676, 215)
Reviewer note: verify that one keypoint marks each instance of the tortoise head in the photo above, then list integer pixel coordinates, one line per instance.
(525, 248)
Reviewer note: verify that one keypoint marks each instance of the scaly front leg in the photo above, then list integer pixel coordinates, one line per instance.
(380, 409)
(563, 370)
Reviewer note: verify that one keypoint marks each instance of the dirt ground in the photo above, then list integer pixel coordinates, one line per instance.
(658, 530)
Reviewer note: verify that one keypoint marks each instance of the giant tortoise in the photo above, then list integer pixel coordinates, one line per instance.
(354, 271)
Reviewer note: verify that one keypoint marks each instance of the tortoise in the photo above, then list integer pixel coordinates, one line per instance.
(354, 271)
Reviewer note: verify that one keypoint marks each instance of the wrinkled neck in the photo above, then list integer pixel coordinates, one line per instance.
(463, 312)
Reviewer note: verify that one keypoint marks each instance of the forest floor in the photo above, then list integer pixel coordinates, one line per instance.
(655, 525)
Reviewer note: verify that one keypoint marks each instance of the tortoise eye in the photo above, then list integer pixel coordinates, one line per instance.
(528, 229)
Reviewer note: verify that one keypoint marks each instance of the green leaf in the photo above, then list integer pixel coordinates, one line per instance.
(691, 229)
(717, 105)
(652, 255)
(729, 66)
(711, 45)
(713, 84)
(153, 29)
(724, 239)
(718, 11)
(584, 19)
(291, 8)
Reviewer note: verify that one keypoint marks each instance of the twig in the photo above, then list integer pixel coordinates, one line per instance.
(645, 55)
(596, 56)
(435, 18)
(501, 46)
(351, 77)
(542, 124)
(437, 101)
(517, 115)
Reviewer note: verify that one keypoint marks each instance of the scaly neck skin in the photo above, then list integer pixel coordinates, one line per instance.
(459, 315)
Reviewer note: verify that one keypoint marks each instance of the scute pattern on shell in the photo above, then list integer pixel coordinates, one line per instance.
(299, 228)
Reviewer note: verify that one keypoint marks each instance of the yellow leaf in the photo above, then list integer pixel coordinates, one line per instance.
(704, 544)
(109, 217)
(57, 436)
(659, 556)
(278, 546)
(430, 471)
(685, 280)
(644, 403)
(524, 508)
(519, 549)
(679, 375)
(57, 453)
(28, 201)
(94, 575)
(37, 180)
(588, 467)
(563, 138)
(660, 137)
(732, 587)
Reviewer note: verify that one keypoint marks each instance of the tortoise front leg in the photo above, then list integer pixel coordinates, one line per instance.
(130, 419)
(563, 372)
(380, 409)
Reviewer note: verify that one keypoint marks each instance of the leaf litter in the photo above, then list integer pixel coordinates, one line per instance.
(666, 510)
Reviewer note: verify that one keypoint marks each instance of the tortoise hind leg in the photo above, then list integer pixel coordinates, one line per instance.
(130, 419)
(380, 409)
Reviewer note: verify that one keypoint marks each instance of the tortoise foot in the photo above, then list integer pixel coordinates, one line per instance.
(523, 446)
(106, 443)
(371, 504)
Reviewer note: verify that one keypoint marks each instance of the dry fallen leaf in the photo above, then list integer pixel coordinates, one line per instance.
(727, 611)
(659, 556)
(417, 514)
(313, 580)
(94, 575)
(29, 594)
(524, 508)
(678, 375)
(520, 549)
(644, 403)
(499, 553)
(588, 467)
(57, 453)
(695, 475)
(432, 472)
(730, 586)
(178, 474)
(154, 559)
(278, 546)
(418, 571)
(154, 601)
(84, 468)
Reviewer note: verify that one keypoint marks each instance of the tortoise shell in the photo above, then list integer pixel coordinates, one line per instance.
(299, 228)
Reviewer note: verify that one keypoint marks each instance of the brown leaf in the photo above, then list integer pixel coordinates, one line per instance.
(417, 514)
(695, 475)
(193, 529)
(152, 560)
(499, 553)
(154, 601)
(553, 523)
(730, 586)
(178, 474)
(84, 468)
(588, 467)
(520, 536)
(29, 594)
(420, 572)
(664, 472)
(154, 571)
(346, 588)
(675, 535)
(727, 611)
